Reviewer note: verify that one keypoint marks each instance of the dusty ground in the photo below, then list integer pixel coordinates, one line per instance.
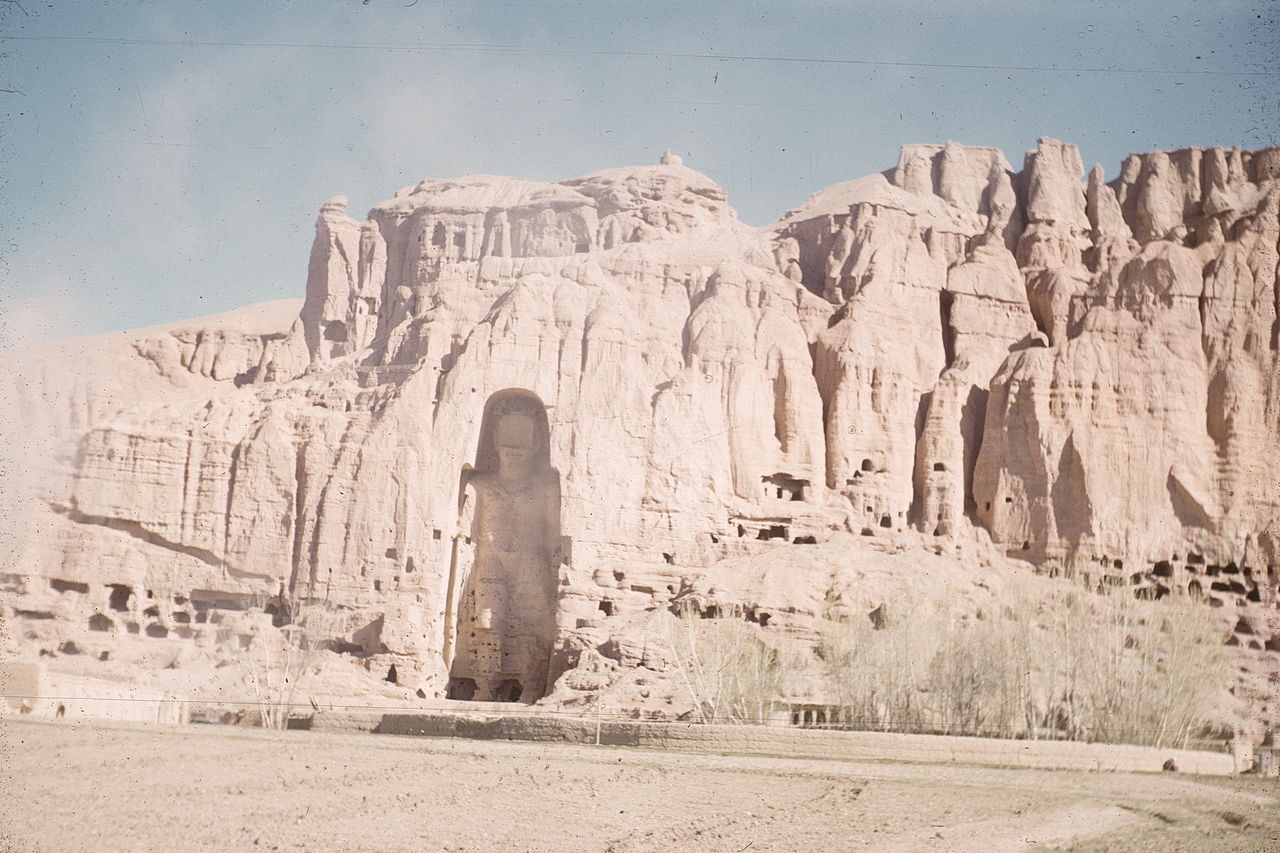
(74, 787)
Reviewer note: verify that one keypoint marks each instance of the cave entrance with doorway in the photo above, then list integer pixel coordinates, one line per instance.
(500, 622)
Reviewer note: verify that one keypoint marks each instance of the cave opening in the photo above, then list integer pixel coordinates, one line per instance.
(784, 487)
(461, 689)
(119, 598)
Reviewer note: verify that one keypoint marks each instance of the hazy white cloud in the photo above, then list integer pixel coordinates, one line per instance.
(50, 312)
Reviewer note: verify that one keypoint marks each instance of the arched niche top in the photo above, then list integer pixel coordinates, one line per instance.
(507, 402)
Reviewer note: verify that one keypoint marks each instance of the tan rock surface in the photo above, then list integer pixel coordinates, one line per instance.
(1068, 371)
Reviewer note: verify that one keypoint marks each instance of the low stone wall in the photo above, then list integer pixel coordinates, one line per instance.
(31, 689)
(789, 742)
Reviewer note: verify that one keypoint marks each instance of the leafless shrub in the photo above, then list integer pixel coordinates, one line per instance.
(1076, 663)
(731, 673)
(875, 672)
(278, 660)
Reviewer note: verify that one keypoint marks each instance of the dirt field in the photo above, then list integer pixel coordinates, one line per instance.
(72, 787)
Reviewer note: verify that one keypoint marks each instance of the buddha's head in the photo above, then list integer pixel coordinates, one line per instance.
(513, 440)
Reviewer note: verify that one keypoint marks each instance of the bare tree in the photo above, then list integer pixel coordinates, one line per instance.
(279, 660)
(731, 673)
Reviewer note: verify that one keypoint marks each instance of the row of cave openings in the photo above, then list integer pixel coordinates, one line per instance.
(1217, 584)
(784, 487)
(204, 608)
(1224, 582)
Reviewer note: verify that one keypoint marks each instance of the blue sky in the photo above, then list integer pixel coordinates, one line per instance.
(166, 160)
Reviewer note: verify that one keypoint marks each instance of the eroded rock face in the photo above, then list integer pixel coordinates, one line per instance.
(1081, 372)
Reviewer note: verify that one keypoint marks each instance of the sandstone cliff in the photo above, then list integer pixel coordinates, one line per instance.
(1074, 373)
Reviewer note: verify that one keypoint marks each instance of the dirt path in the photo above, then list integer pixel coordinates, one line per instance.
(73, 787)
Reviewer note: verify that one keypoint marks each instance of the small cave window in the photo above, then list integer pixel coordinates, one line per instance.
(581, 248)
(34, 614)
(155, 629)
(182, 618)
(508, 690)
(606, 607)
(391, 553)
(938, 466)
(1026, 546)
(392, 676)
(439, 237)
(435, 534)
(805, 540)
(784, 487)
(669, 559)
(377, 586)
(99, 622)
(774, 531)
(867, 465)
(886, 521)
(119, 599)
(461, 689)
(408, 566)
(68, 586)
(1162, 569)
